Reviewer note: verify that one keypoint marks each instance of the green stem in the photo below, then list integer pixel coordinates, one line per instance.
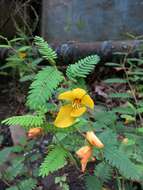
(123, 184)
(70, 155)
(118, 181)
(128, 81)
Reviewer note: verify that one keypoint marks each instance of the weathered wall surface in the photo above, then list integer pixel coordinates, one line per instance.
(91, 20)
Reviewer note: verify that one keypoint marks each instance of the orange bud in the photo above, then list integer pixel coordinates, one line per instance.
(34, 132)
(93, 139)
(84, 162)
(84, 153)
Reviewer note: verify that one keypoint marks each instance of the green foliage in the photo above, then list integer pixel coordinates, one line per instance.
(103, 172)
(45, 50)
(13, 171)
(53, 161)
(121, 157)
(106, 137)
(120, 95)
(124, 110)
(129, 186)
(43, 87)
(28, 184)
(119, 160)
(82, 68)
(4, 154)
(115, 80)
(26, 121)
(93, 183)
(27, 78)
(61, 181)
(21, 61)
(81, 83)
(12, 188)
(104, 117)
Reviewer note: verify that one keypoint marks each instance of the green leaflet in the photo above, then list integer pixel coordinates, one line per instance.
(118, 159)
(45, 50)
(4, 154)
(53, 161)
(115, 80)
(43, 87)
(93, 183)
(26, 121)
(120, 95)
(28, 184)
(13, 171)
(82, 68)
(103, 172)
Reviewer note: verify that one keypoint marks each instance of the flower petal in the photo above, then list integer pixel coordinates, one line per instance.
(66, 96)
(71, 95)
(64, 118)
(84, 153)
(78, 93)
(78, 112)
(94, 140)
(87, 101)
(84, 162)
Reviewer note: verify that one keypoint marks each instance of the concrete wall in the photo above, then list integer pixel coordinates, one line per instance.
(91, 20)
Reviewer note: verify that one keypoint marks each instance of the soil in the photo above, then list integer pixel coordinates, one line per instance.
(6, 109)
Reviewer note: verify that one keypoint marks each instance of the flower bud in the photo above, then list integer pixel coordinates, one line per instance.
(84, 153)
(93, 139)
(34, 132)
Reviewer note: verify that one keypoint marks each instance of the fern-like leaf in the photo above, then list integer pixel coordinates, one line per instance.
(28, 184)
(120, 95)
(53, 161)
(44, 85)
(13, 171)
(119, 160)
(93, 183)
(115, 80)
(26, 121)
(103, 171)
(82, 68)
(45, 50)
(4, 154)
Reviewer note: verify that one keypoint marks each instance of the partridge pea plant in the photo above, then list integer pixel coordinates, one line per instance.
(62, 105)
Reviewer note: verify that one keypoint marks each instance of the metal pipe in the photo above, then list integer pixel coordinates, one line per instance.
(71, 51)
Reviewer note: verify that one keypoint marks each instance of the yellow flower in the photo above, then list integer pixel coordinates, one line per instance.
(22, 55)
(79, 101)
(84, 153)
(93, 139)
(34, 132)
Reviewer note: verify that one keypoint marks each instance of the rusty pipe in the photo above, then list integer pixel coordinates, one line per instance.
(71, 51)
